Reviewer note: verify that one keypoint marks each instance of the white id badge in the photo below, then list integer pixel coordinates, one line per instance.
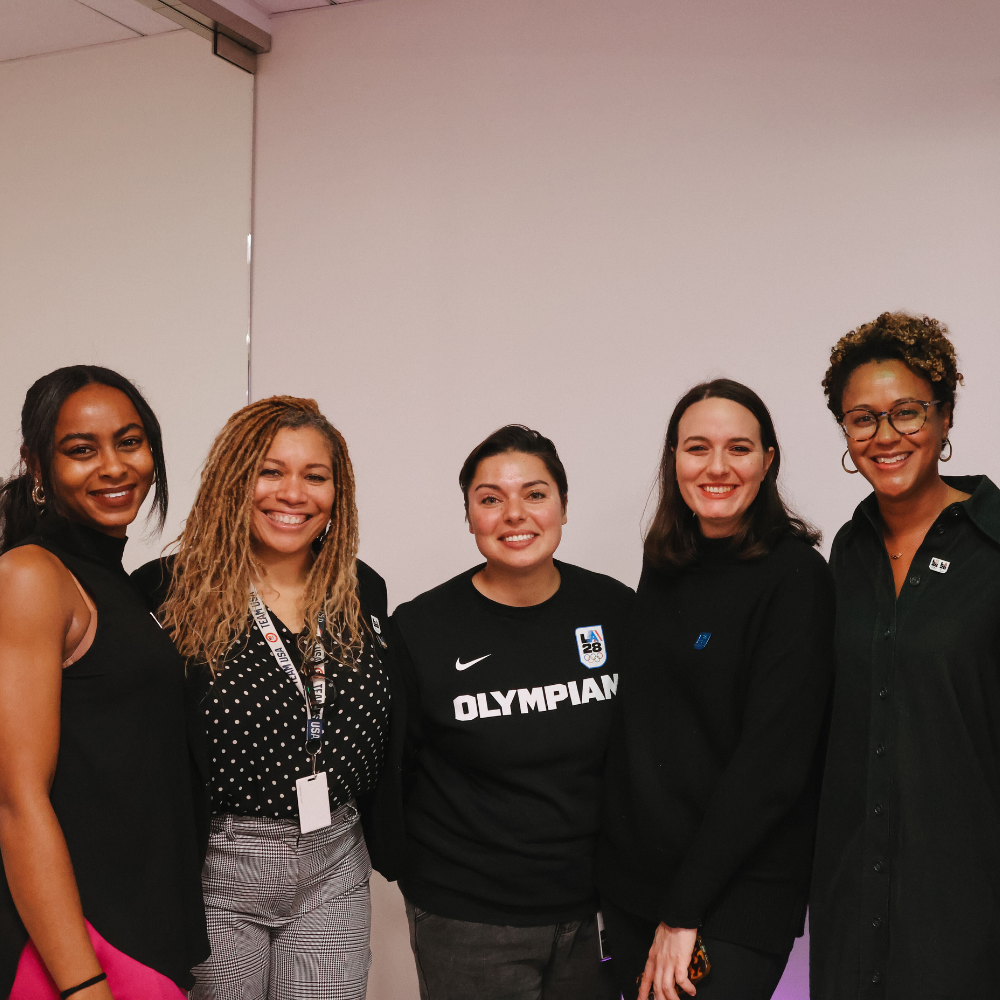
(314, 802)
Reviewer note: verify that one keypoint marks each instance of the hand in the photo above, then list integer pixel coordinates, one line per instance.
(667, 965)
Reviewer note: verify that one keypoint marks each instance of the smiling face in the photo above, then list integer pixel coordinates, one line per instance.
(515, 511)
(895, 464)
(102, 467)
(720, 463)
(294, 495)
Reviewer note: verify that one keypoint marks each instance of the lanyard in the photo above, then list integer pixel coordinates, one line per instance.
(314, 723)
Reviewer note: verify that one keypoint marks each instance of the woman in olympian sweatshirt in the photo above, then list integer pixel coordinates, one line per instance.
(511, 673)
(713, 771)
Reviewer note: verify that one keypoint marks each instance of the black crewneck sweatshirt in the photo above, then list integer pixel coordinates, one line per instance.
(509, 712)
(713, 769)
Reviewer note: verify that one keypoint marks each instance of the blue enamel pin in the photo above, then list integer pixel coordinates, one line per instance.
(702, 641)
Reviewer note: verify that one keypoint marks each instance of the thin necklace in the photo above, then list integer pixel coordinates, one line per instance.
(892, 555)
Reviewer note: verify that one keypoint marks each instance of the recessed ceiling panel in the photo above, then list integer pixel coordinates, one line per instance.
(280, 6)
(31, 27)
(133, 15)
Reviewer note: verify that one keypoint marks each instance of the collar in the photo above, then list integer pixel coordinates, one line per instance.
(982, 508)
(80, 540)
(714, 549)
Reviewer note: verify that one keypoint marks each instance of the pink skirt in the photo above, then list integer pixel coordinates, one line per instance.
(127, 978)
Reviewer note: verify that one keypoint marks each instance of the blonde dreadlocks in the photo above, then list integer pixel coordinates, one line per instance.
(206, 609)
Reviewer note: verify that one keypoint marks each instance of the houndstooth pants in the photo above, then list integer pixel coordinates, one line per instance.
(289, 914)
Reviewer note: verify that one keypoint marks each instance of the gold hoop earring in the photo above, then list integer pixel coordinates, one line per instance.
(38, 495)
(843, 463)
(947, 441)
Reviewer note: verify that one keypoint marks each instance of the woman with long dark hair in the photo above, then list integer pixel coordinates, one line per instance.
(99, 826)
(281, 626)
(712, 778)
(511, 670)
(906, 888)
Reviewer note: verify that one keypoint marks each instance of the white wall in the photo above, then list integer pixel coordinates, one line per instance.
(565, 212)
(124, 211)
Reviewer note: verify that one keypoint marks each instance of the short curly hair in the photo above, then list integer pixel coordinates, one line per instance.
(919, 342)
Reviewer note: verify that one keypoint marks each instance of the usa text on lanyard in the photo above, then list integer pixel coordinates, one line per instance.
(315, 698)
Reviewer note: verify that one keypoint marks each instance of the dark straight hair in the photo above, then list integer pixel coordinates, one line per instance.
(514, 437)
(18, 512)
(672, 538)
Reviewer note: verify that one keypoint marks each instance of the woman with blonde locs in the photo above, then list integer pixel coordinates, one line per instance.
(281, 626)
(905, 897)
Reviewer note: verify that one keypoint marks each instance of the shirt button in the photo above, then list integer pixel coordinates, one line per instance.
(940, 529)
(879, 867)
(879, 750)
(888, 632)
(878, 808)
(883, 692)
(876, 977)
(915, 579)
(877, 922)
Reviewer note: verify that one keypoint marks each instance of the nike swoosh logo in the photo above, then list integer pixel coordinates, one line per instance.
(459, 665)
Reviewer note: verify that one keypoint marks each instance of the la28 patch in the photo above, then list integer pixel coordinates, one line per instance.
(593, 649)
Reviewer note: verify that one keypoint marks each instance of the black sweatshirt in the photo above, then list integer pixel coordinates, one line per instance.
(713, 769)
(509, 711)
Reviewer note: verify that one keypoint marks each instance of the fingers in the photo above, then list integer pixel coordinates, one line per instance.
(663, 985)
(668, 992)
(647, 981)
(686, 985)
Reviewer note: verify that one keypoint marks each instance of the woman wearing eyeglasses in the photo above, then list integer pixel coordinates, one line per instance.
(906, 884)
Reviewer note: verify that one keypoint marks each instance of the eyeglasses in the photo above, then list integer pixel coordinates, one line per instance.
(861, 424)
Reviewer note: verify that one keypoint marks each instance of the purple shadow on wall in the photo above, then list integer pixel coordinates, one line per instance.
(794, 983)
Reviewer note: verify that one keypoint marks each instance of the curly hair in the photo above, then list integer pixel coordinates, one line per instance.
(921, 343)
(206, 609)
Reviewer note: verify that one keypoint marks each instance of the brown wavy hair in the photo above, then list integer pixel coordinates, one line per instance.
(672, 538)
(206, 609)
(919, 342)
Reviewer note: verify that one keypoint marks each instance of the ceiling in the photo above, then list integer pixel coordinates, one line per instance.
(34, 27)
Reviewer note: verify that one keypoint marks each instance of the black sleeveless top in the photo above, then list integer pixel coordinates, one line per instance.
(126, 791)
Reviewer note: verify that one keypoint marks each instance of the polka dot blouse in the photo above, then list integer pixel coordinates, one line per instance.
(256, 723)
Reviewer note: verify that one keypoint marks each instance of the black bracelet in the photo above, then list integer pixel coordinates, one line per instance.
(83, 986)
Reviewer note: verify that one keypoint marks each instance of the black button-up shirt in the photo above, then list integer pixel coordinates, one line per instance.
(906, 883)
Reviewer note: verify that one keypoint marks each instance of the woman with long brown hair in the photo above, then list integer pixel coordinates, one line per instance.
(281, 626)
(712, 779)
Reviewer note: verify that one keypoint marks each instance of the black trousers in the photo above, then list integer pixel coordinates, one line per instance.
(460, 959)
(738, 973)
